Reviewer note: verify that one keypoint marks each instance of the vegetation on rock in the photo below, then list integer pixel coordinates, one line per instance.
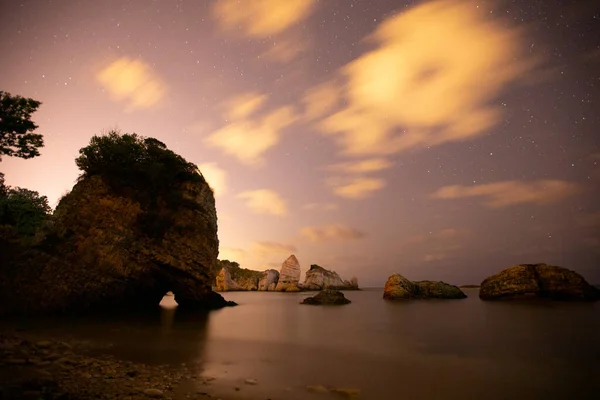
(327, 297)
(22, 210)
(398, 287)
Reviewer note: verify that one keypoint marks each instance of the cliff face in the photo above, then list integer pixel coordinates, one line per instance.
(289, 276)
(318, 278)
(398, 287)
(108, 249)
(537, 281)
(233, 278)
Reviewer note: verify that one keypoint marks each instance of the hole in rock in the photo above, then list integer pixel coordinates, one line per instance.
(168, 300)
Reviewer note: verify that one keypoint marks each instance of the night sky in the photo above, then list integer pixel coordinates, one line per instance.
(443, 140)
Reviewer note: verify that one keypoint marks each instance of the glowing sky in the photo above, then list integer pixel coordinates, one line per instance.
(442, 140)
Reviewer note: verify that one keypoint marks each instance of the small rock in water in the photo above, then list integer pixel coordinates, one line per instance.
(251, 381)
(317, 389)
(153, 393)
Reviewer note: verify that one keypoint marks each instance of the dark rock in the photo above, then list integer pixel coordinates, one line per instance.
(327, 297)
(537, 281)
(398, 287)
(99, 253)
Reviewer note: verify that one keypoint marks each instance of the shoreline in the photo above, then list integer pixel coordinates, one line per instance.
(33, 366)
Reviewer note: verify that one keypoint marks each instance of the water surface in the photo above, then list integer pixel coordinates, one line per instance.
(463, 349)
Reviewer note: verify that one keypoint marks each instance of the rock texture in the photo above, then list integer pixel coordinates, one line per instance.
(224, 283)
(268, 280)
(398, 287)
(318, 278)
(110, 249)
(289, 276)
(537, 281)
(327, 297)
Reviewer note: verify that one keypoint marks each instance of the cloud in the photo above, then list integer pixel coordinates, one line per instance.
(244, 105)
(267, 248)
(356, 188)
(508, 193)
(321, 206)
(364, 166)
(247, 139)
(320, 100)
(286, 49)
(132, 81)
(215, 176)
(431, 80)
(264, 201)
(330, 233)
(261, 18)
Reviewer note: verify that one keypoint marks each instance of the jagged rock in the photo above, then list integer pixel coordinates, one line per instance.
(537, 281)
(318, 278)
(110, 248)
(398, 287)
(268, 280)
(289, 276)
(327, 297)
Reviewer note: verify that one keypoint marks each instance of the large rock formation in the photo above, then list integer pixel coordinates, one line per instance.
(289, 276)
(543, 281)
(398, 287)
(117, 248)
(268, 280)
(328, 297)
(318, 278)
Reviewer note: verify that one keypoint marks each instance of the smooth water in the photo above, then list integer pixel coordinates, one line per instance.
(427, 349)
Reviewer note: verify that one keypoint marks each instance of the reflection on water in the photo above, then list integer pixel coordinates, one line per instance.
(409, 350)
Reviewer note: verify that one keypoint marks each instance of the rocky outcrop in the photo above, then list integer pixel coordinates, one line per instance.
(268, 280)
(398, 287)
(289, 276)
(112, 248)
(327, 297)
(527, 281)
(318, 278)
(224, 283)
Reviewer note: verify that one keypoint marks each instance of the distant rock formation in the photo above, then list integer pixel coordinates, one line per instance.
(318, 278)
(289, 276)
(398, 287)
(268, 280)
(327, 297)
(541, 281)
(233, 278)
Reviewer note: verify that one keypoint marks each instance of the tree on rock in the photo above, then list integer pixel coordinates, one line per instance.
(23, 209)
(17, 137)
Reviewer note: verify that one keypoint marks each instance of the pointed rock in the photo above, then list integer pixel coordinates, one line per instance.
(289, 276)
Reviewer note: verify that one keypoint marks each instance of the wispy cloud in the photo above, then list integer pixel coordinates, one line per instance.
(430, 80)
(132, 81)
(261, 18)
(215, 176)
(248, 139)
(508, 193)
(264, 201)
(331, 233)
(362, 166)
(320, 100)
(244, 105)
(356, 188)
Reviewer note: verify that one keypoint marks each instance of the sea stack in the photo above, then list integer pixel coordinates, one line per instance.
(289, 276)
(398, 287)
(537, 281)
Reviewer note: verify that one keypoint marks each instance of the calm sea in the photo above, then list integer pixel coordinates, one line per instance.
(460, 349)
